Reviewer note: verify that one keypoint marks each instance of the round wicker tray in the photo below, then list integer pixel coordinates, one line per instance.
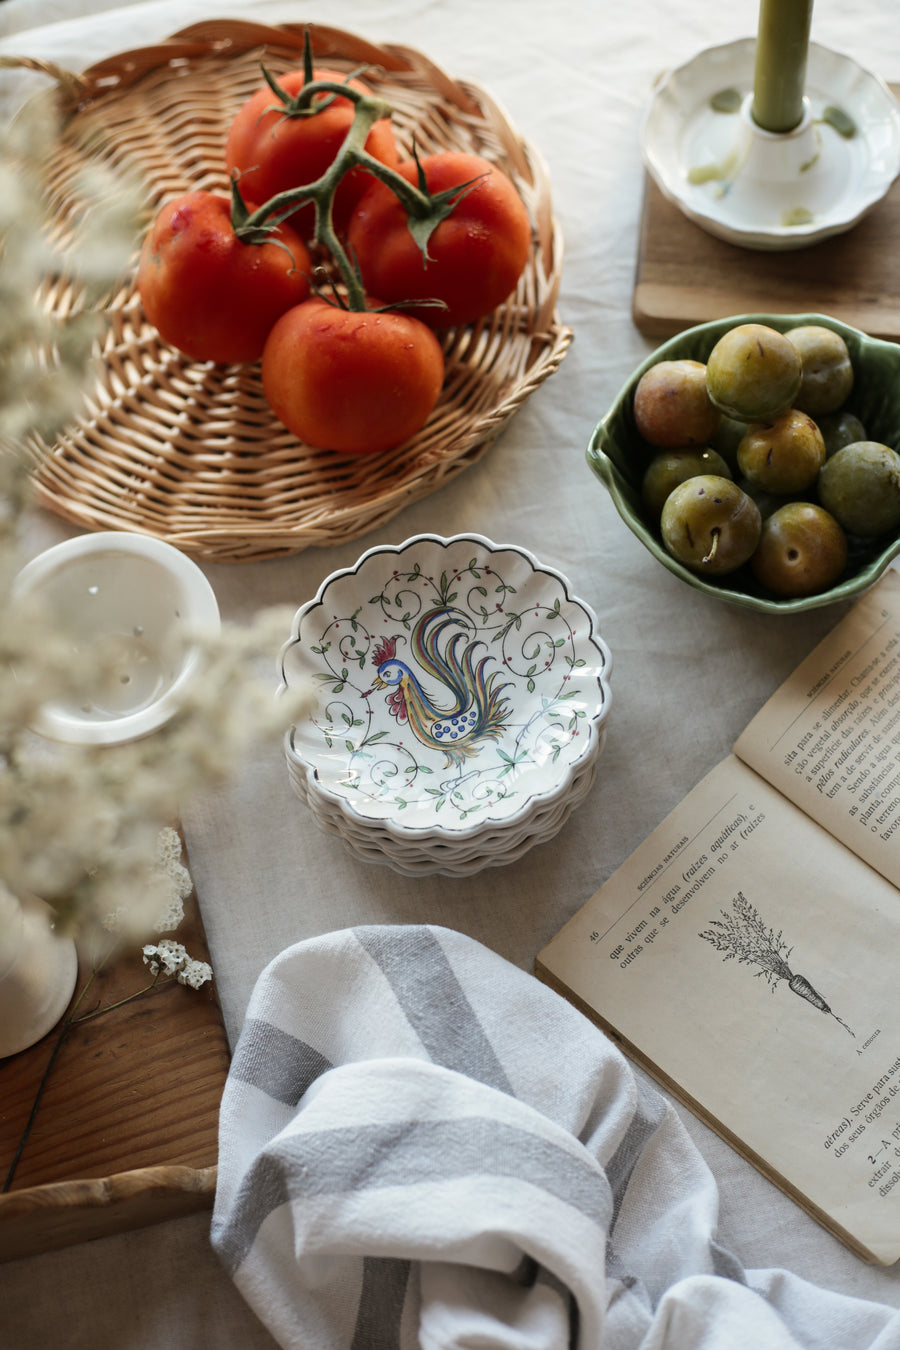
(190, 452)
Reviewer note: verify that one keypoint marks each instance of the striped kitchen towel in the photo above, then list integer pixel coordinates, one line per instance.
(422, 1146)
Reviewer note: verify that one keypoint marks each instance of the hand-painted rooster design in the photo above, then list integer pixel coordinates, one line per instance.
(476, 712)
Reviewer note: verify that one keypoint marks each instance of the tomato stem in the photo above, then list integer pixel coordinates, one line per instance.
(425, 210)
(320, 193)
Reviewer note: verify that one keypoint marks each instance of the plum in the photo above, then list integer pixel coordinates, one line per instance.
(840, 429)
(827, 369)
(671, 467)
(802, 550)
(785, 455)
(672, 407)
(860, 486)
(710, 525)
(753, 373)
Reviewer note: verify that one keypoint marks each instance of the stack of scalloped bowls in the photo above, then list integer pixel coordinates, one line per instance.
(461, 702)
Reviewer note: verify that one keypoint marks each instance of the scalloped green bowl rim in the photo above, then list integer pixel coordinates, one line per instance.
(618, 456)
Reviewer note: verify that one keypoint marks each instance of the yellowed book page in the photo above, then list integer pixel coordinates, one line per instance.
(829, 738)
(750, 962)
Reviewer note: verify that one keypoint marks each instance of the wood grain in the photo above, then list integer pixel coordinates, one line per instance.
(686, 276)
(127, 1126)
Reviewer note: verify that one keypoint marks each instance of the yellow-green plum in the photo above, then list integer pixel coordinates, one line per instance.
(784, 455)
(710, 525)
(753, 373)
(766, 501)
(860, 486)
(671, 467)
(802, 550)
(827, 369)
(840, 429)
(726, 440)
(672, 407)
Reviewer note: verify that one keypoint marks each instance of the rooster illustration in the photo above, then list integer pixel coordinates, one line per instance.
(476, 711)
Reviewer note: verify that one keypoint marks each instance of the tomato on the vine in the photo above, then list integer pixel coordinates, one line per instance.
(351, 381)
(272, 150)
(475, 256)
(208, 293)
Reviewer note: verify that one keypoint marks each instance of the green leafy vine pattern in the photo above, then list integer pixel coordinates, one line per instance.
(530, 643)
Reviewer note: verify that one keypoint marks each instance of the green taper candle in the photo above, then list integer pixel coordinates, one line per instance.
(782, 47)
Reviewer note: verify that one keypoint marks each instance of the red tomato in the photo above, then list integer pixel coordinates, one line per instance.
(476, 255)
(208, 294)
(349, 381)
(273, 152)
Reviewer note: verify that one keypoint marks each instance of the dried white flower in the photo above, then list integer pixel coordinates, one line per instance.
(176, 882)
(44, 356)
(168, 958)
(177, 877)
(195, 973)
(80, 826)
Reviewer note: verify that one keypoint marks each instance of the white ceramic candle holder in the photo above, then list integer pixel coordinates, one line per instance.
(772, 190)
(38, 972)
(142, 596)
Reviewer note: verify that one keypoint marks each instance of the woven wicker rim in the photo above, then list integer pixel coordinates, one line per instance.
(190, 452)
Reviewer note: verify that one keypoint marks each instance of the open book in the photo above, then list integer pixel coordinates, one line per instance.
(748, 953)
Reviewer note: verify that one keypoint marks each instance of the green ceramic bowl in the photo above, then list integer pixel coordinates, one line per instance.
(619, 456)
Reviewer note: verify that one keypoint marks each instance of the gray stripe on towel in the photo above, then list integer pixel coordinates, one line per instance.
(725, 1264)
(381, 1303)
(405, 1153)
(278, 1064)
(434, 1002)
(646, 1120)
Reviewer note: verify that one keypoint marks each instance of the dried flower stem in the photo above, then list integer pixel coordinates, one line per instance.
(159, 982)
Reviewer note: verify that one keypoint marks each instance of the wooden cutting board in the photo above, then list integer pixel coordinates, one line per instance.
(686, 276)
(125, 1133)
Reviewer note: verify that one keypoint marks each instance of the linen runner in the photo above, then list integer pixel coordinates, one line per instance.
(423, 1146)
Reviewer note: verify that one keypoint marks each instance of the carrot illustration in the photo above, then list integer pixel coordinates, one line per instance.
(801, 985)
(743, 936)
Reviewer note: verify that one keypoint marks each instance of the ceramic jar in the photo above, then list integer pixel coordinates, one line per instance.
(38, 971)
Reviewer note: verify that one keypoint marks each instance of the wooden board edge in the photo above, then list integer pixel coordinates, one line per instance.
(664, 311)
(61, 1214)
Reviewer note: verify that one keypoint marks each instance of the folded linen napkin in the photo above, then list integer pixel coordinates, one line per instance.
(423, 1146)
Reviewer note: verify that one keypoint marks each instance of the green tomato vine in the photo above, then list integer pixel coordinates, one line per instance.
(425, 210)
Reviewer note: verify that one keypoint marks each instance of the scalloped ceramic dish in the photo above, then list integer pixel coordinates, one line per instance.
(463, 695)
(618, 456)
(493, 848)
(761, 190)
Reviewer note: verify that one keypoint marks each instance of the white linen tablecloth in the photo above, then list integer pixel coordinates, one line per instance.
(688, 672)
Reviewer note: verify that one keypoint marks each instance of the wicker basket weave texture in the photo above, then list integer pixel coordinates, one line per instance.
(191, 452)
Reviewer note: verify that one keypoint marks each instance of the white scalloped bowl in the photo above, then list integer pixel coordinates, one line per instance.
(463, 695)
(816, 179)
(460, 857)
